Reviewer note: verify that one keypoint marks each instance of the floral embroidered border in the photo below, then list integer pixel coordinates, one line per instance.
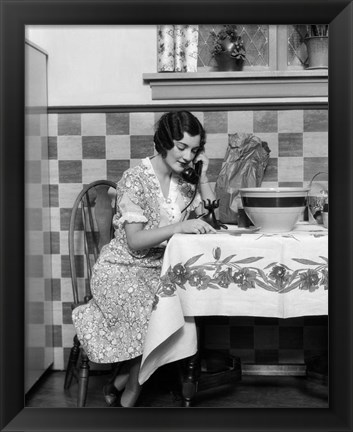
(228, 272)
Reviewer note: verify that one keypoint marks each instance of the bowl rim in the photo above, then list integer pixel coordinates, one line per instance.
(275, 189)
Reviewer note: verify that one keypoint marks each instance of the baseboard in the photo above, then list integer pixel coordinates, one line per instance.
(274, 370)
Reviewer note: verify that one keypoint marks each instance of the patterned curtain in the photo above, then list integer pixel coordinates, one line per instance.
(177, 48)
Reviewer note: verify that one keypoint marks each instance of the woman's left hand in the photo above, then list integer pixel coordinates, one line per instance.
(205, 162)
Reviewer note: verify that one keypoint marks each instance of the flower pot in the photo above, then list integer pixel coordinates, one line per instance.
(227, 63)
(317, 47)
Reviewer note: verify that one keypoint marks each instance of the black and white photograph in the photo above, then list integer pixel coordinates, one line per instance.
(244, 246)
(176, 243)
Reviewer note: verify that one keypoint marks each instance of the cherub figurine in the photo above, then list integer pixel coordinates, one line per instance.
(210, 217)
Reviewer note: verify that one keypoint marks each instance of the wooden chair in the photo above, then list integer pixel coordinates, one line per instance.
(95, 207)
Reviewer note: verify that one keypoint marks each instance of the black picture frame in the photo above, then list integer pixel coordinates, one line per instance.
(15, 15)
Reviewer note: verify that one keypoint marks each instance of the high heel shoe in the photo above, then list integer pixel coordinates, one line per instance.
(112, 395)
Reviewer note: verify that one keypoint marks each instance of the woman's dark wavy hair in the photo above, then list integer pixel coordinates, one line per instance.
(172, 125)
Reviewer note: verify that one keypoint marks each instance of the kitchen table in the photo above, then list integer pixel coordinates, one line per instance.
(236, 272)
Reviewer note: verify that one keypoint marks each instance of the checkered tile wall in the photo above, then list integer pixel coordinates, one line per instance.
(84, 147)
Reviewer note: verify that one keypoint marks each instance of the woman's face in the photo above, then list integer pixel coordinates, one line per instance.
(184, 151)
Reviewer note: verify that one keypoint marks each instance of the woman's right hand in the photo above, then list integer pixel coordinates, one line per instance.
(195, 226)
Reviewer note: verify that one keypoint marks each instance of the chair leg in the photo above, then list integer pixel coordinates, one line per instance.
(72, 363)
(83, 376)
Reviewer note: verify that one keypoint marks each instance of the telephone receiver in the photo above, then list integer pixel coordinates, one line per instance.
(192, 175)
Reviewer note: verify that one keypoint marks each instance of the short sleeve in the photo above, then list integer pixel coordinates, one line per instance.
(129, 211)
(130, 201)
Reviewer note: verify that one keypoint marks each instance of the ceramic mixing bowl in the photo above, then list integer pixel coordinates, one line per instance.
(274, 209)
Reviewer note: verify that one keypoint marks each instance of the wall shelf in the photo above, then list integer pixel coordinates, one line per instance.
(308, 85)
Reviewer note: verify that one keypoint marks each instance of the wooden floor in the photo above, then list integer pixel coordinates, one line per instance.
(160, 391)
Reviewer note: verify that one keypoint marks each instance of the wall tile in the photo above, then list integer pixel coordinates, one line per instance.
(64, 242)
(65, 214)
(266, 337)
(141, 146)
(134, 162)
(33, 171)
(93, 147)
(217, 336)
(69, 147)
(56, 266)
(69, 124)
(315, 121)
(266, 321)
(313, 165)
(66, 310)
(116, 168)
(238, 321)
(66, 288)
(93, 124)
(315, 144)
(214, 168)
(290, 121)
(142, 123)
(48, 336)
(242, 338)
(34, 147)
(53, 125)
(319, 320)
(68, 332)
(247, 356)
(265, 121)
(271, 172)
(54, 171)
(315, 337)
(57, 335)
(266, 356)
(65, 266)
(199, 115)
(290, 337)
(216, 122)
(290, 144)
(290, 169)
(51, 242)
(68, 193)
(70, 171)
(54, 219)
(35, 312)
(93, 170)
(216, 145)
(118, 147)
(239, 122)
(33, 219)
(118, 123)
(291, 356)
(53, 195)
(53, 289)
(272, 142)
(52, 147)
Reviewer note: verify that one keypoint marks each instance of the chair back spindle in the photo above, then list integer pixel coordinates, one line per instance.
(97, 209)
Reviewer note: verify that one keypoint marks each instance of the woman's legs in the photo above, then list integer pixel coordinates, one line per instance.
(122, 376)
(133, 388)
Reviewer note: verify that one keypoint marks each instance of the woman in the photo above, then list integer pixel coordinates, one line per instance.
(153, 203)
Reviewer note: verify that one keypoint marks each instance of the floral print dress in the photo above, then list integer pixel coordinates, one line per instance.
(112, 326)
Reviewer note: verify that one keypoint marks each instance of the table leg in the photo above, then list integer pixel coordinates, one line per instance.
(191, 374)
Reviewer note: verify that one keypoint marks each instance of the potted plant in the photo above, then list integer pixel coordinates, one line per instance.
(228, 48)
(316, 41)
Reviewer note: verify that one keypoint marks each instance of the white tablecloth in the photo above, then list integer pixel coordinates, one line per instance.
(239, 272)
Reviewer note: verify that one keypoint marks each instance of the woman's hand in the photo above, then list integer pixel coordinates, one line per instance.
(195, 226)
(205, 162)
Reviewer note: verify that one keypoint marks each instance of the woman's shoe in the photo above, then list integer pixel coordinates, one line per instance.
(112, 395)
